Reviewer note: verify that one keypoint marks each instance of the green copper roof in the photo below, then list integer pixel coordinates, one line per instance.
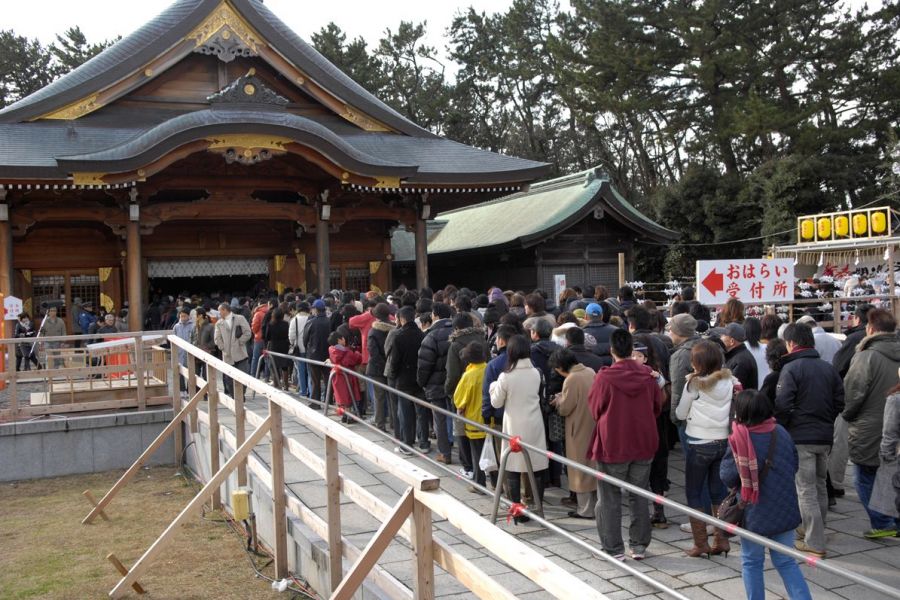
(527, 218)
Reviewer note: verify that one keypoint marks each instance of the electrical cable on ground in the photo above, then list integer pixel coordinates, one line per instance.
(302, 589)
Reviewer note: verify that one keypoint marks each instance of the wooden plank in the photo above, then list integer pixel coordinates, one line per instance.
(212, 393)
(190, 372)
(333, 485)
(279, 518)
(139, 373)
(350, 440)
(174, 381)
(193, 506)
(124, 571)
(240, 430)
(423, 552)
(90, 498)
(354, 442)
(508, 548)
(480, 583)
(11, 377)
(59, 409)
(355, 492)
(390, 585)
(144, 457)
(375, 548)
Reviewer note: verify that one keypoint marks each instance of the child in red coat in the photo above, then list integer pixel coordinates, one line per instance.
(345, 395)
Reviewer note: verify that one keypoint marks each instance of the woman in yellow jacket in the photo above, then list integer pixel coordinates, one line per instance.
(467, 398)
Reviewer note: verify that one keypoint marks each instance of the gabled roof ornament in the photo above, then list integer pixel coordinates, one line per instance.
(248, 89)
(225, 35)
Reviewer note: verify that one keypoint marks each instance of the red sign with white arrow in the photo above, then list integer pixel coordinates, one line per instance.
(750, 281)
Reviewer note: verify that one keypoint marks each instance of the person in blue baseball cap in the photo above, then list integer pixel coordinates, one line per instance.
(597, 329)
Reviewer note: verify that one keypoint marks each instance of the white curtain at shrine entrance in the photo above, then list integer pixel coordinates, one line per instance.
(207, 267)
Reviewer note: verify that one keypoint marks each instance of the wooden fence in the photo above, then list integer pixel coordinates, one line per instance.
(70, 374)
(409, 519)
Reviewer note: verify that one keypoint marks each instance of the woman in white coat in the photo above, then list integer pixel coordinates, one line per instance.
(517, 391)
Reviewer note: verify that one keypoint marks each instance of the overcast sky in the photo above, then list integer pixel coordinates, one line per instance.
(104, 19)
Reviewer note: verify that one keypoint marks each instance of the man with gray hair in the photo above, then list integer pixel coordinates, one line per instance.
(231, 336)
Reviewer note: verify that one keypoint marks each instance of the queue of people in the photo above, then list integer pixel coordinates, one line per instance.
(772, 409)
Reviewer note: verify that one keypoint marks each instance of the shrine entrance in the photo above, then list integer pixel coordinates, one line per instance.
(206, 276)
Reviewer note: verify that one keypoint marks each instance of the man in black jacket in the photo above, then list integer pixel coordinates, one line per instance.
(575, 339)
(598, 329)
(855, 334)
(641, 320)
(738, 358)
(432, 373)
(809, 396)
(403, 360)
(315, 339)
(375, 367)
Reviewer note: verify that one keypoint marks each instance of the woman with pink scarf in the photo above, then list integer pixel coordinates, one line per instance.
(772, 509)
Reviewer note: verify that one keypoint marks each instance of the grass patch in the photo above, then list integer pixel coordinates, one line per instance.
(48, 553)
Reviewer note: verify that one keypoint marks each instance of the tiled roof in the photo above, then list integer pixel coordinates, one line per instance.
(527, 218)
(31, 148)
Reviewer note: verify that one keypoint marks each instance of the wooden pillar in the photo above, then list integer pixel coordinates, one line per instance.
(279, 516)
(423, 553)
(213, 396)
(240, 431)
(421, 253)
(323, 250)
(621, 269)
(333, 485)
(6, 259)
(135, 277)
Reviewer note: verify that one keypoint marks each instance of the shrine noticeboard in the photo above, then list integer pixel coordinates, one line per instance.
(758, 280)
(12, 308)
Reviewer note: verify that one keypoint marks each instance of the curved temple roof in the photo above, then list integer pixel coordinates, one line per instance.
(110, 138)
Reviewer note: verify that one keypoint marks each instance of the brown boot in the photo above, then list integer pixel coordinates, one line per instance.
(701, 547)
(721, 545)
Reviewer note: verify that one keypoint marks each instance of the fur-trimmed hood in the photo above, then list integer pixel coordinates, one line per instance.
(708, 383)
(467, 331)
(383, 326)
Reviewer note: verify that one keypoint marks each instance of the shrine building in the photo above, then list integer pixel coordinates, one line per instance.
(215, 143)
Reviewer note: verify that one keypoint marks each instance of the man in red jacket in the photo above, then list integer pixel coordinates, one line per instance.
(625, 401)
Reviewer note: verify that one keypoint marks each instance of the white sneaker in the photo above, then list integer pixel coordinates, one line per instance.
(403, 451)
(466, 474)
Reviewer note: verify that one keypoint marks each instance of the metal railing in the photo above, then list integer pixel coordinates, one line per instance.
(812, 561)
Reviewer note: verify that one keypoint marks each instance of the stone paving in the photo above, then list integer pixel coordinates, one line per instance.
(698, 578)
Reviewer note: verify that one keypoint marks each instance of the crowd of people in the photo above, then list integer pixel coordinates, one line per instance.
(772, 409)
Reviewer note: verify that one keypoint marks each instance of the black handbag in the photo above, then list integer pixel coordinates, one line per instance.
(556, 426)
(731, 510)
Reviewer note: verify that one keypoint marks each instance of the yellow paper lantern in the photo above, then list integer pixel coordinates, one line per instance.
(807, 229)
(841, 226)
(879, 222)
(824, 226)
(860, 224)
